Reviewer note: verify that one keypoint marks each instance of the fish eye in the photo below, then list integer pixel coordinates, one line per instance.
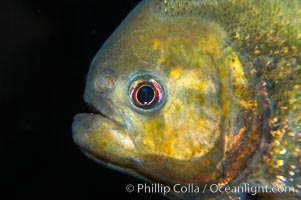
(146, 93)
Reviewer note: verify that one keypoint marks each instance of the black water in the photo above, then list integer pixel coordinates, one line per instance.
(45, 50)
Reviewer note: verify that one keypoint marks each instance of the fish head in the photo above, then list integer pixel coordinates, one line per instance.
(162, 90)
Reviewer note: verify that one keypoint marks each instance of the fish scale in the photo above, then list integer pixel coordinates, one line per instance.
(267, 30)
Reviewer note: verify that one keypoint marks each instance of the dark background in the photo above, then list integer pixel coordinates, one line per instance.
(45, 50)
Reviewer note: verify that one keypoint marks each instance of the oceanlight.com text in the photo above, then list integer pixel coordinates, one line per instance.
(158, 188)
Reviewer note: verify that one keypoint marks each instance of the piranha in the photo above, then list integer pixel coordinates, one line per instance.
(200, 92)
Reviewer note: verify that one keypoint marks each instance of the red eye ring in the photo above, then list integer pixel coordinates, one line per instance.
(146, 94)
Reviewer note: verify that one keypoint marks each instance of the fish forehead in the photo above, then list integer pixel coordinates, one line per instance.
(147, 38)
(172, 39)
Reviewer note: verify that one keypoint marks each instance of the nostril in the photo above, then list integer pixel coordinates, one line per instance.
(104, 82)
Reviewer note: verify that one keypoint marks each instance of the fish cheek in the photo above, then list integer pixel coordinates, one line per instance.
(180, 144)
(170, 170)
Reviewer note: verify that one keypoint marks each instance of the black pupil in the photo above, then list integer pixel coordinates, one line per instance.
(145, 94)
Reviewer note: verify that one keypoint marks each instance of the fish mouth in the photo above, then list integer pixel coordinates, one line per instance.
(102, 138)
(95, 111)
(94, 132)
